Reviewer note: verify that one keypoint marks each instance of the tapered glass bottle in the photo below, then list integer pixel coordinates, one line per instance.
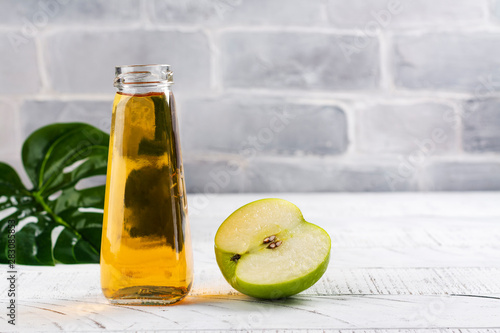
(146, 255)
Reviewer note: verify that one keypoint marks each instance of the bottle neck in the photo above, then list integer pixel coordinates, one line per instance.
(143, 79)
(144, 90)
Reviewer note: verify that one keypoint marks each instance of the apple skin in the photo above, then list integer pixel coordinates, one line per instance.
(274, 291)
(271, 291)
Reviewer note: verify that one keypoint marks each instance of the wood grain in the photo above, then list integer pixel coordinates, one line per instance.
(400, 263)
(241, 312)
(83, 282)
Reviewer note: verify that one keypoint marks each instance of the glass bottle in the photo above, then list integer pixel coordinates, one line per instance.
(146, 255)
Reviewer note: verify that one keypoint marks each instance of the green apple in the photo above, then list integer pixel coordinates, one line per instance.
(266, 249)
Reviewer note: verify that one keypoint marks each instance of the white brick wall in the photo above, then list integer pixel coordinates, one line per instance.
(276, 95)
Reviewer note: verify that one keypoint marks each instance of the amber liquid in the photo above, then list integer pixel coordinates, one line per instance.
(146, 251)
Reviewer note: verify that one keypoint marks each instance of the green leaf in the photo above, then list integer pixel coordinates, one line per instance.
(10, 184)
(71, 197)
(55, 221)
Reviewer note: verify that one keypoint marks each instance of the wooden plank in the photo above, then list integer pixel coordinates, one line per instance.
(422, 330)
(397, 330)
(241, 312)
(393, 242)
(82, 282)
(417, 257)
(377, 281)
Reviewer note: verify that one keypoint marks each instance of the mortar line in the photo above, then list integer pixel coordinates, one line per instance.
(41, 63)
(352, 115)
(370, 97)
(386, 61)
(215, 71)
(145, 19)
(459, 131)
(325, 19)
(488, 12)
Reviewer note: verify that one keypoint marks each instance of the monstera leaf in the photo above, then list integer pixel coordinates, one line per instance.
(56, 221)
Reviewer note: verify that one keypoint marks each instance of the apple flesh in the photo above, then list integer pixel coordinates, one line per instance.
(266, 249)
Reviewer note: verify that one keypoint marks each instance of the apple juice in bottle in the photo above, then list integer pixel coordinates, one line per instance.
(145, 252)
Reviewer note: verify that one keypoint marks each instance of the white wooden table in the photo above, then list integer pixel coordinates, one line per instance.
(400, 262)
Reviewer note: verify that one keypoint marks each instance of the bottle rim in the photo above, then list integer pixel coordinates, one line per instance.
(143, 75)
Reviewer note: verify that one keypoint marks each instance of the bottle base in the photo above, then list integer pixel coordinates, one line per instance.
(148, 295)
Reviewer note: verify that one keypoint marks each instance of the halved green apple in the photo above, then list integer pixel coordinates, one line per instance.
(266, 249)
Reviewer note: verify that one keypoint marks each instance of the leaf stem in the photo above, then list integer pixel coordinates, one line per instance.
(56, 218)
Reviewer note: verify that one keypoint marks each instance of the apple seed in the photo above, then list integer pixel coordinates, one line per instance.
(235, 257)
(275, 242)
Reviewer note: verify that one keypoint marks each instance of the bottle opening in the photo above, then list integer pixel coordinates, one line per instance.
(143, 75)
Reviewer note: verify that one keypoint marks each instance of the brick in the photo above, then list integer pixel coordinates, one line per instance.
(236, 12)
(447, 61)
(38, 14)
(422, 129)
(481, 126)
(251, 127)
(213, 175)
(18, 68)
(83, 62)
(36, 114)
(363, 14)
(325, 175)
(299, 60)
(462, 176)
